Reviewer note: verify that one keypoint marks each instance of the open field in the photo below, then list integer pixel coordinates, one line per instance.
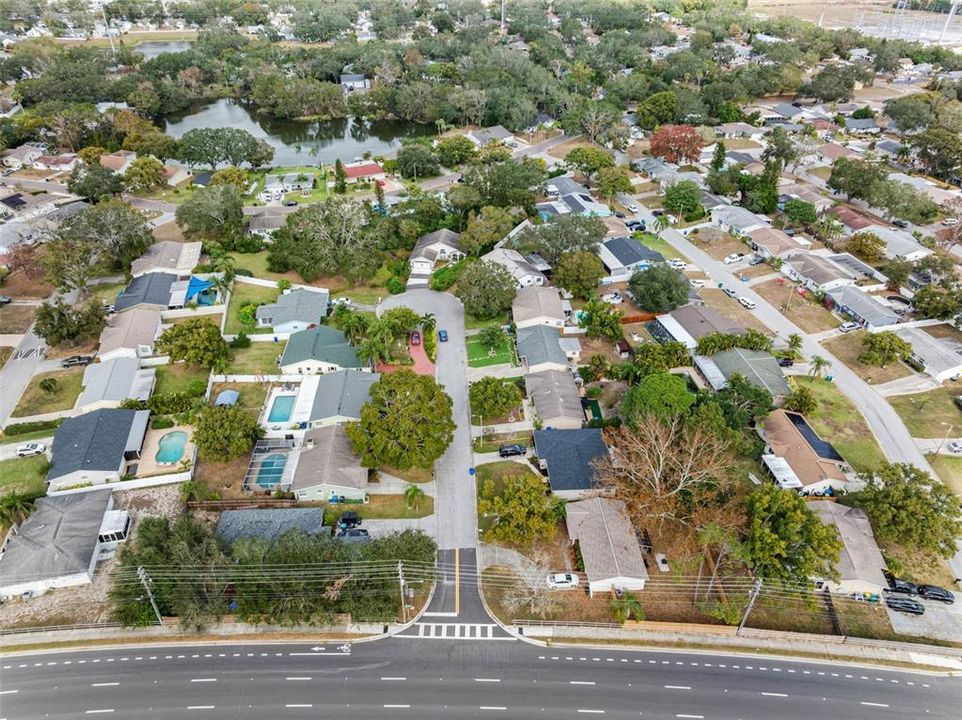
(848, 347)
(949, 469)
(837, 420)
(176, 378)
(36, 401)
(15, 319)
(24, 476)
(803, 311)
(259, 359)
(730, 308)
(561, 151)
(243, 293)
(930, 414)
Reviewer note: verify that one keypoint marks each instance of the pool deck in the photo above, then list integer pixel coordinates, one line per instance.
(148, 465)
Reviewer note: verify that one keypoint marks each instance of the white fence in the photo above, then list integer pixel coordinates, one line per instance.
(198, 311)
(136, 483)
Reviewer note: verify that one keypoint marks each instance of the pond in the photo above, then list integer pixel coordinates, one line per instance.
(153, 48)
(299, 142)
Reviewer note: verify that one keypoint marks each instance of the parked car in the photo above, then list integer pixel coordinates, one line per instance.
(905, 604)
(354, 535)
(756, 260)
(340, 301)
(415, 338)
(954, 447)
(443, 335)
(76, 360)
(848, 327)
(563, 581)
(5, 299)
(619, 215)
(612, 298)
(729, 292)
(897, 585)
(348, 520)
(697, 283)
(634, 225)
(900, 223)
(656, 213)
(512, 450)
(950, 222)
(733, 258)
(746, 303)
(290, 203)
(110, 309)
(632, 208)
(29, 449)
(785, 362)
(934, 592)
(677, 264)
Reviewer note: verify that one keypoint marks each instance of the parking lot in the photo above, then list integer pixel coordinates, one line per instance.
(940, 621)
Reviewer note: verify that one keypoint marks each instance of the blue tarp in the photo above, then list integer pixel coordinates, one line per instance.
(227, 397)
(196, 286)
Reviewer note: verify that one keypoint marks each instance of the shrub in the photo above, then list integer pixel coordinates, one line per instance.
(29, 427)
(161, 423)
(243, 271)
(241, 341)
(395, 286)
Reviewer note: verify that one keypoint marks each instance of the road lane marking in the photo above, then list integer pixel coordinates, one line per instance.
(695, 717)
(296, 705)
(492, 707)
(200, 707)
(677, 687)
(771, 694)
(110, 684)
(8, 692)
(203, 679)
(393, 679)
(581, 682)
(397, 706)
(98, 712)
(299, 678)
(457, 582)
(871, 704)
(487, 679)
(592, 712)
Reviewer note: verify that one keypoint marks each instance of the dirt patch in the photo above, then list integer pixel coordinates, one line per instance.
(561, 151)
(82, 346)
(944, 331)
(15, 319)
(169, 231)
(802, 310)
(729, 308)
(718, 244)
(19, 286)
(223, 480)
(599, 346)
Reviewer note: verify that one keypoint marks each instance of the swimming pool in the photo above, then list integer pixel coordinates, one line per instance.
(170, 449)
(270, 471)
(281, 409)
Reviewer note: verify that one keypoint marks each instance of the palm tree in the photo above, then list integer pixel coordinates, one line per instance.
(353, 324)
(795, 344)
(49, 385)
(661, 223)
(413, 495)
(626, 607)
(373, 350)
(818, 364)
(15, 508)
(428, 323)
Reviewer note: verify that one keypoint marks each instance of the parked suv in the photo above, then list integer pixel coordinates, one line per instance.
(76, 360)
(512, 450)
(29, 449)
(848, 327)
(904, 587)
(905, 604)
(934, 592)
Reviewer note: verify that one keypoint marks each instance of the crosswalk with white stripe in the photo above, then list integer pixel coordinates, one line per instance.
(455, 631)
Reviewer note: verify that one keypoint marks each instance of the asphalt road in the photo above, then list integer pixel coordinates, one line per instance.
(411, 678)
(16, 372)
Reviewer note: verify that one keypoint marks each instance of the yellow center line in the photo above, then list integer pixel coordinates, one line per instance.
(457, 581)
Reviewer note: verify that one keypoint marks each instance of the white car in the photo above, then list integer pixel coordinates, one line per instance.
(697, 283)
(563, 581)
(29, 449)
(635, 337)
(631, 208)
(733, 258)
(954, 447)
(950, 222)
(612, 298)
(729, 292)
(746, 303)
(340, 301)
(677, 264)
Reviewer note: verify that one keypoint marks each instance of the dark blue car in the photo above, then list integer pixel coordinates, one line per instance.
(443, 335)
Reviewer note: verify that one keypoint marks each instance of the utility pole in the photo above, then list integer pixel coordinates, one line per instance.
(400, 579)
(148, 583)
(948, 20)
(113, 50)
(751, 604)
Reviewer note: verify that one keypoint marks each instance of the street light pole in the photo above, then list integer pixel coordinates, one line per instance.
(947, 433)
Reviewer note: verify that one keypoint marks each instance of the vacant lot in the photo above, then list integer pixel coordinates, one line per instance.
(837, 420)
(108, 292)
(492, 441)
(19, 286)
(60, 396)
(660, 245)
(259, 359)
(169, 231)
(848, 347)
(930, 414)
(177, 378)
(480, 355)
(719, 244)
(15, 319)
(493, 476)
(24, 476)
(730, 308)
(804, 311)
(561, 151)
(243, 293)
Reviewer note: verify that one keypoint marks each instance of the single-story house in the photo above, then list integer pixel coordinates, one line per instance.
(816, 272)
(333, 398)
(288, 183)
(363, 171)
(483, 136)
(538, 306)
(265, 222)
(852, 221)
(94, 448)
(168, 256)
(118, 161)
(757, 366)
(608, 545)
(690, 323)
(771, 242)
(856, 268)
(830, 152)
(354, 81)
(327, 468)
(268, 524)
(898, 243)
(798, 458)
(294, 310)
(107, 384)
(524, 273)
(25, 206)
(940, 356)
(937, 194)
(860, 565)
(739, 130)
(807, 193)
(622, 256)
(737, 220)
(862, 308)
(568, 456)
(789, 111)
(564, 185)
(59, 163)
(539, 348)
(20, 157)
(59, 544)
(320, 349)
(862, 126)
(556, 399)
(439, 246)
(162, 290)
(130, 334)
(176, 174)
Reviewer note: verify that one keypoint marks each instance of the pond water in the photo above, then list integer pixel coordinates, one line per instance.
(299, 142)
(153, 48)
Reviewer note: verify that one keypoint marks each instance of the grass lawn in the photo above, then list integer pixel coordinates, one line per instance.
(919, 567)
(36, 402)
(174, 195)
(363, 295)
(414, 475)
(482, 356)
(241, 293)
(945, 330)
(730, 308)
(251, 395)
(107, 293)
(929, 414)
(5, 352)
(837, 420)
(473, 323)
(720, 245)
(177, 377)
(491, 443)
(259, 359)
(803, 311)
(949, 469)
(25, 476)
(848, 347)
(821, 172)
(656, 243)
(15, 319)
(382, 507)
(256, 263)
(27, 437)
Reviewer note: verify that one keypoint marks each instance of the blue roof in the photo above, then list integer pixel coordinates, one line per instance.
(227, 397)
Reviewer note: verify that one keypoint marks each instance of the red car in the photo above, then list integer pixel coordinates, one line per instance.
(415, 338)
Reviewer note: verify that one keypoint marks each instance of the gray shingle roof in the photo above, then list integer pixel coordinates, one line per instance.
(96, 440)
(629, 251)
(342, 394)
(298, 305)
(863, 306)
(448, 237)
(606, 538)
(59, 538)
(534, 302)
(116, 380)
(150, 289)
(269, 524)
(327, 458)
(758, 367)
(539, 344)
(320, 343)
(565, 185)
(555, 395)
(569, 455)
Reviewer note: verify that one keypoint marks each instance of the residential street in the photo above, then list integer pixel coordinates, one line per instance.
(446, 678)
(16, 372)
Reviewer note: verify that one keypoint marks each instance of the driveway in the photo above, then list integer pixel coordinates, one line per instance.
(940, 621)
(455, 503)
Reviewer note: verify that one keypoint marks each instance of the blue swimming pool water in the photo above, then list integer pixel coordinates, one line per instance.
(270, 471)
(171, 447)
(281, 409)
